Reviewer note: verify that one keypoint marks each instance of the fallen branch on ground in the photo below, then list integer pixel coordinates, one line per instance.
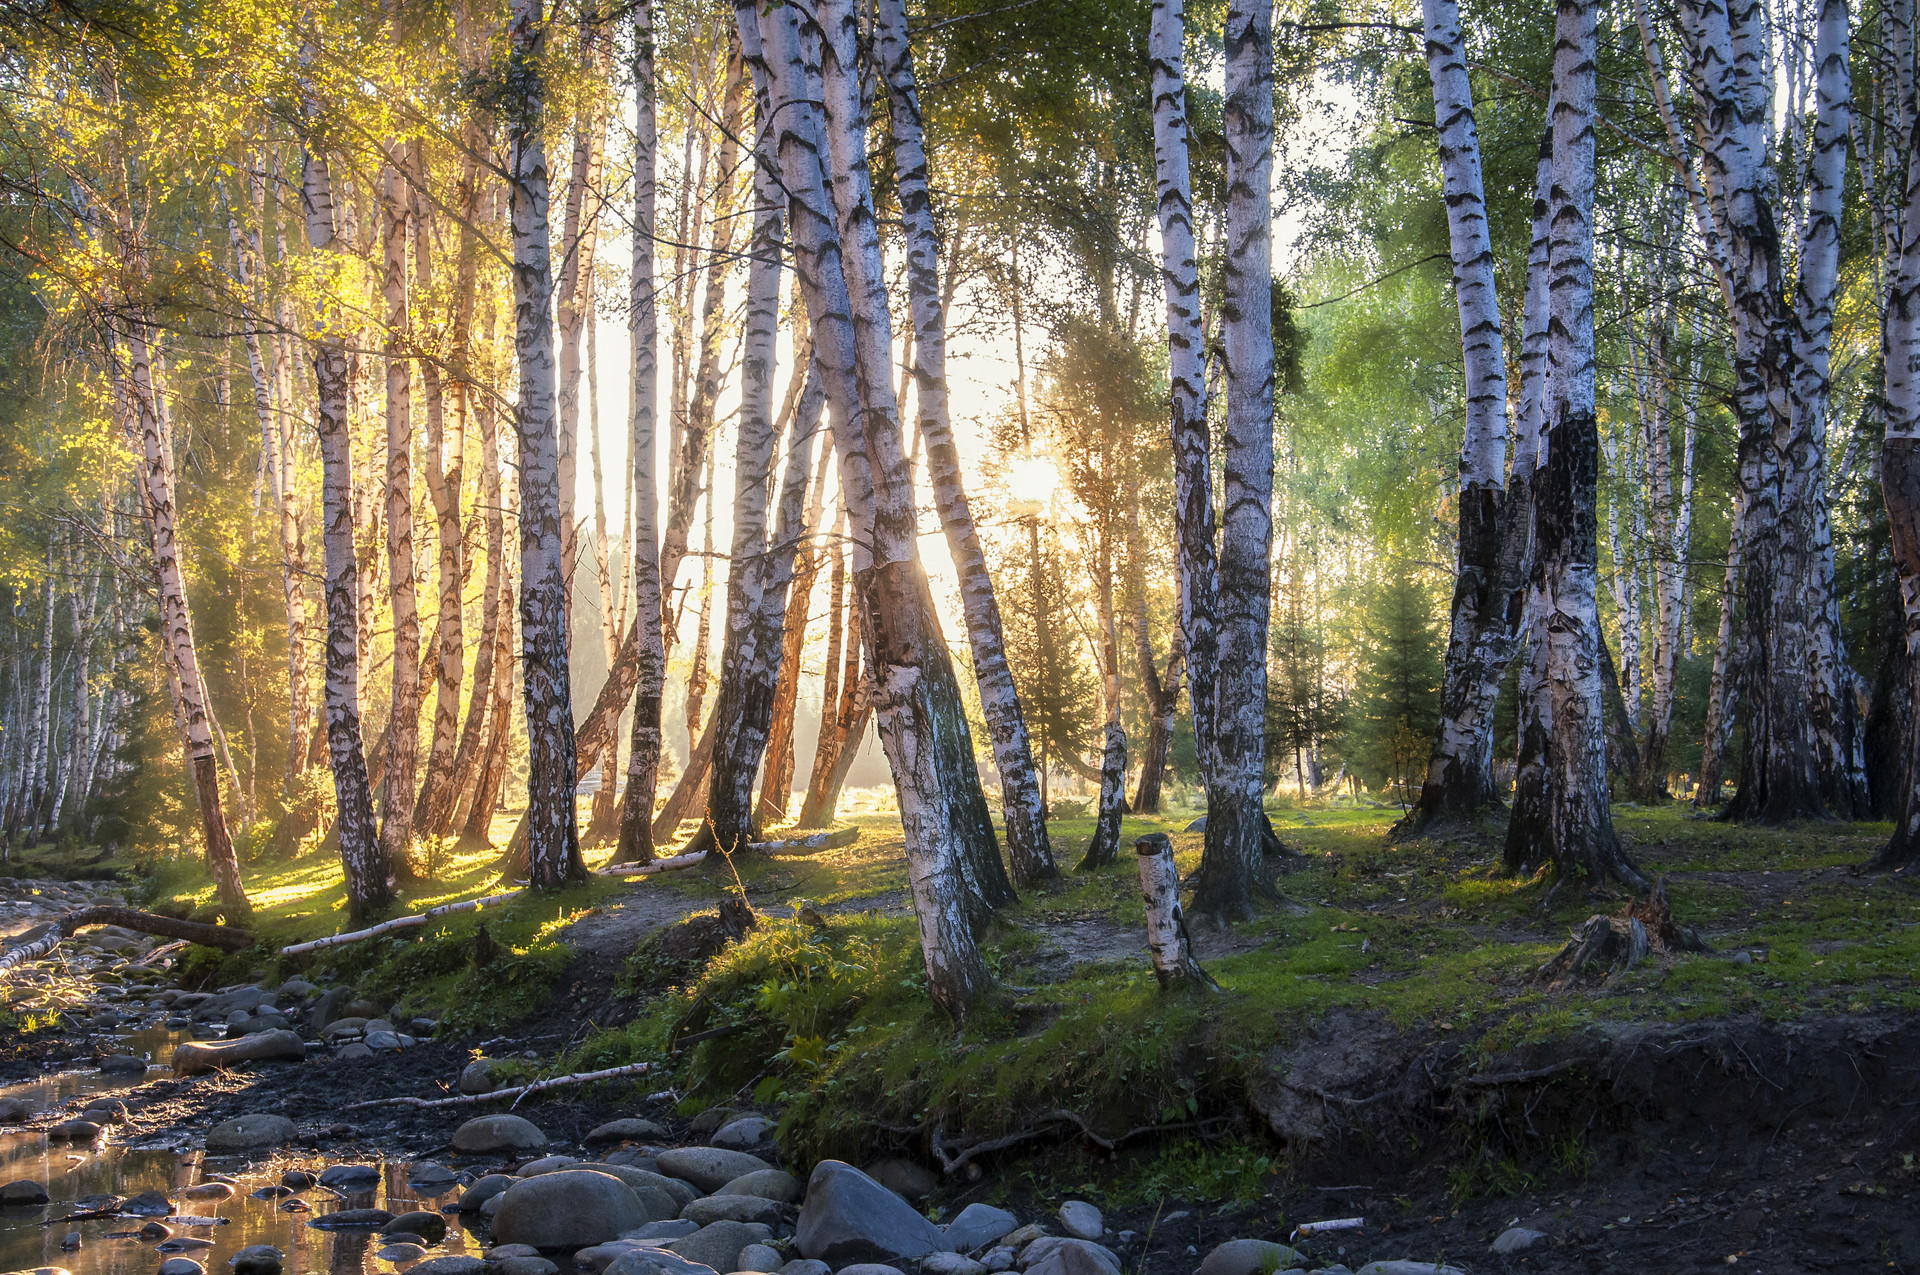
(518, 1091)
(654, 865)
(221, 936)
(398, 923)
(818, 841)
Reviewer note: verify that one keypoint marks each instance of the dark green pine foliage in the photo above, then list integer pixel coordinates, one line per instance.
(1396, 701)
(1058, 685)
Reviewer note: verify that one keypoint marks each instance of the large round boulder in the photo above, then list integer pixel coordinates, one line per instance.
(249, 1133)
(848, 1218)
(709, 1168)
(573, 1208)
(498, 1133)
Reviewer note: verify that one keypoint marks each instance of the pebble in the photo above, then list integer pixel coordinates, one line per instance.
(1081, 1220)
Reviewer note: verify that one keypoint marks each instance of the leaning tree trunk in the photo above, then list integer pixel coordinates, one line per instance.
(151, 431)
(1187, 372)
(403, 719)
(1230, 872)
(369, 892)
(553, 835)
(1578, 831)
(474, 735)
(1491, 565)
(650, 653)
(776, 782)
(840, 701)
(1020, 806)
(922, 723)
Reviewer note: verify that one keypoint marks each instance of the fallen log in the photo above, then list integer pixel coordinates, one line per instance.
(818, 841)
(190, 1058)
(44, 941)
(517, 1092)
(397, 923)
(655, 865)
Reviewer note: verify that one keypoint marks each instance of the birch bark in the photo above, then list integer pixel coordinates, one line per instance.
(403, 720)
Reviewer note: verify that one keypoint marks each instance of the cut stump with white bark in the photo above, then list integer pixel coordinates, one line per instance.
(1167, 938)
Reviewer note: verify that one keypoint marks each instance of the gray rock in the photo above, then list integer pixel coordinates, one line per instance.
(871, 1268)
(1026, 1235)
(430, 1226)
(297, 1179)
(744, 1134)
(572, 1207)
(401, 1252)
(501, 1251)
(1516, 1239)
(805, 1266)
(1046, 1252)
(664, 1197)
(545, 1164)
(709, 1168)
(345, 1177)
(498, 1133)
(296, 989)
(759, 1257)
(598, 1257)
(352, 1220)
(449, 1266)
(1198, 825)
(181, 1266)
(123, 1065)
(1249, 1257)
(626, 1129)
(25, 1191)
(354, 1052)
(718, 1244)
(1408, 1268)
(75, 1131)
(707, 1121)
(477, 1076)
(429, 1174)
(535, 1265)
(256, 1259)
(154, 1231)
(247, 1133)
(13, 1110)
(1081, 1220)
(71, 1241)
(674, 1228)
(768, 1184)
(849, 1217)
(950, 1264)
(903, 1177)
(998, 1258)
(383, 1041)
(977, 1225)
(647, 1260)
(208, 1191)
(733, 1208)
(147, 1204)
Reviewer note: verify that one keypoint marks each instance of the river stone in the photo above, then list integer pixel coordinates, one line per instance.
(154, 1231)
(25, 1191)
(147, 1204)
(871, 1268)
(123, 1065)
(744, 1134)
(347, 1177)
(733, 1208)
(361, 1007)
(848, 1217)
(999, 1258)
(297, 1179)
(1408, 1268)
(245, 1133)
(978, 1225)
(768, 1184)
(718, 1244)
(1249, 1257)
(626, 1129)
(709, 1168)
(13, 1110)
(477, 1076)
(480, 1192)
(545, 1164)
(208, 1191)
(535, 1265)
(256, 1259)
(352, 1220)
(427, 1173)
(764, 1258)
(570, 1208)
(1081, 1220)
(191, 1058)
(1516, 1239)
(648, 1260)
(950, 1264)
(903, 1177)
(498, 1133)
(185, 1244)
(655, 1192)
(75, 1131)
(354, 1051)
(181, 1266)
(402, 1252)
(597, 1257)
(501, 1251)
(383, 1041)
(430, 1226)
(674, 1228)
(345, 1028)
(1064, 1255)
(805, 1266)
(449, 1266)
(109, 1110)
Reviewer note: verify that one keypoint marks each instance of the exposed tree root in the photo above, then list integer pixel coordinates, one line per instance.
(516, 1093)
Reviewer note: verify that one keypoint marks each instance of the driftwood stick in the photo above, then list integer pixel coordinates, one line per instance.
(398, 923)
(221, 936)
(518, 1091)
(654, 865)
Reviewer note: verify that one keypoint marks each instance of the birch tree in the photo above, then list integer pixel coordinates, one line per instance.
(403, 732)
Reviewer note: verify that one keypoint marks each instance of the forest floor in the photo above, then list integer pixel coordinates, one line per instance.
(1380, 1046)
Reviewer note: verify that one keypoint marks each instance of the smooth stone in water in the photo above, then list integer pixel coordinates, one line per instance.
(25, 1191)
(849, 1217)
(1516, 1239)
(573, 1207)
(718, 1244)
(181, 1266)
(627, 1129)
(733, 1208)
(71, 1241)
(123, 1065)
(482, 1191)
(1249, 1257)
(401, 1253)
(154, 1231)
(297, 1179)
(147, 1204)
(768, 1184)
(184, 1244)
(498, 1133)
(545, 1164)
(208, 1191)
(75, 1131)
(246, 1133)
(709, 1168)
(345, 1177)
(430, 1226)
(352, 1220)
(13, 1110)
(759, 1257)
(256, 1259)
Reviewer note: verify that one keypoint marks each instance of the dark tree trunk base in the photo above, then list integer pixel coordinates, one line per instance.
(1104, 848)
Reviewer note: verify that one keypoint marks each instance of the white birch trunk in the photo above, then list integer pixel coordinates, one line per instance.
(403, 719)
(1168, 942)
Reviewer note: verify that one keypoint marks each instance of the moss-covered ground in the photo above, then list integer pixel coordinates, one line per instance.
(829, 1017)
